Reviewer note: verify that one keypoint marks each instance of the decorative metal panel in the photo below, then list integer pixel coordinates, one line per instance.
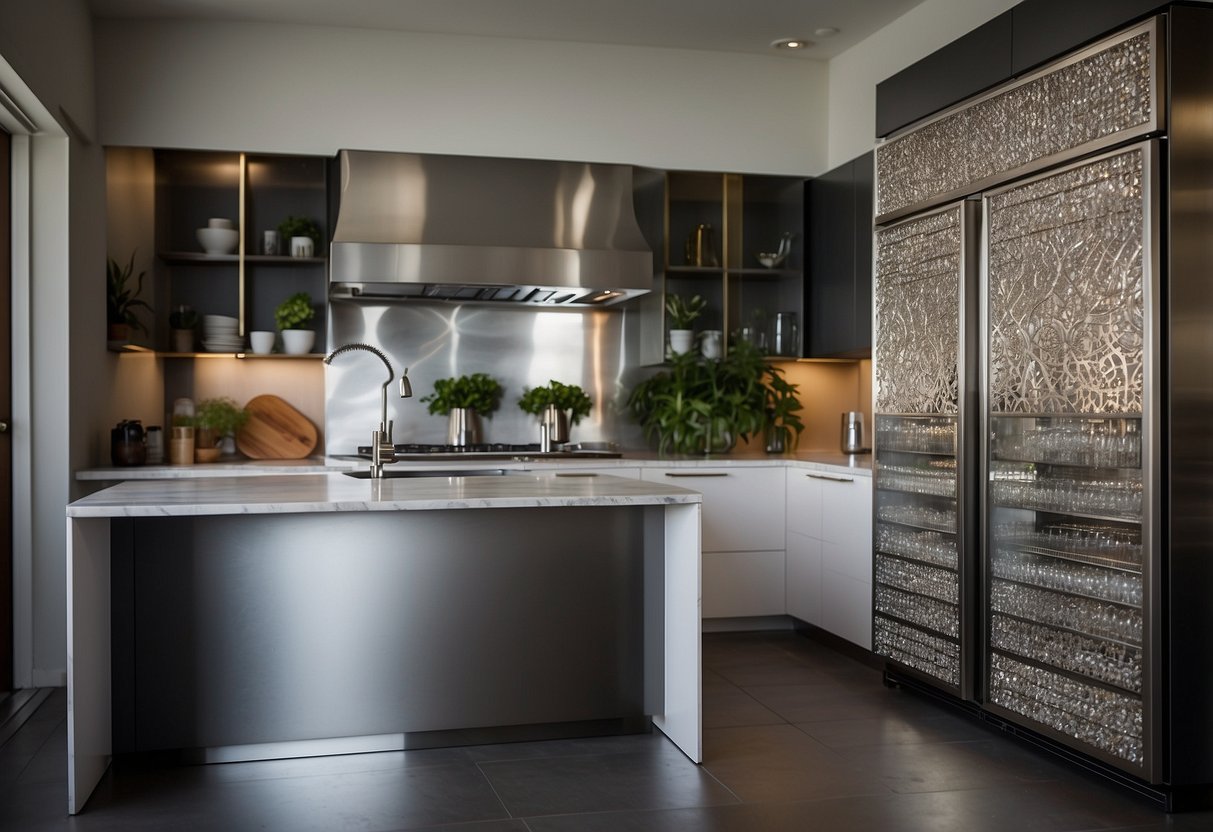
(918, 269)
(1059, 111)
(1066, 272)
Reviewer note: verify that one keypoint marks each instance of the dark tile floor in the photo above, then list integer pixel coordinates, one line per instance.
(797, 737)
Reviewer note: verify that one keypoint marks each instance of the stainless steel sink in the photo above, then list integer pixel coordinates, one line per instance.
(398, 473)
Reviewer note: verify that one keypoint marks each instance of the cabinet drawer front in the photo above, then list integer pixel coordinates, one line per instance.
(743, 508)
(804, 502)
(591, 473)
(846, 512)
(743, 584)
(802, 592)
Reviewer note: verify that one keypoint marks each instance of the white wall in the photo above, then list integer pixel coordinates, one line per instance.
(48, 48)
(855, 73)
(292, 88)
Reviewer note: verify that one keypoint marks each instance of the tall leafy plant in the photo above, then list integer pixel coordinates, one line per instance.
(121, 298)
(696, 406)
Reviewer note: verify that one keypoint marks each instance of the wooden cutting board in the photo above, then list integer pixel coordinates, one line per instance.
(275, 430)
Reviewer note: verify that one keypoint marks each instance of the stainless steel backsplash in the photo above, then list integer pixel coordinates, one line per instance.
(521, 348)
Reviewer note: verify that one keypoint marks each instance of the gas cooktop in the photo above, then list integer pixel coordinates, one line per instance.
(498, 450)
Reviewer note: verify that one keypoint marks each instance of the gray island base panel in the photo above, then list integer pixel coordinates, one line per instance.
(324, 612)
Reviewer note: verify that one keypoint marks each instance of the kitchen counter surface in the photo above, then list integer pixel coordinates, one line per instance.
(236, 467)
(832, 461)
(298, 494)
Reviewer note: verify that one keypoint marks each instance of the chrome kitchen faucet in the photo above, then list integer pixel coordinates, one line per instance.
(382, 448)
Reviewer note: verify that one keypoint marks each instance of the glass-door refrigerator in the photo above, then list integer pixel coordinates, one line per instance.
(923, 507)
(1071, 500)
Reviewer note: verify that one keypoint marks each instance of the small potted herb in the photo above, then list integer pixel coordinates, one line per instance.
(557, 405)
(299, 228)
(463, 400)
(682, 314)
(182, 322)
(292, 317)
(121, 299)
(213, 420)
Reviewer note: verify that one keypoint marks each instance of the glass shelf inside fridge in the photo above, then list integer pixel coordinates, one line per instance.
(917, 586)
(1065, 579)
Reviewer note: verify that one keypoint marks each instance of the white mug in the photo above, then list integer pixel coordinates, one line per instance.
(301, 247)
(713, 341)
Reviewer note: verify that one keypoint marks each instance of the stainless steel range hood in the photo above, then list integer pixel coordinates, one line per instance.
(470, 229)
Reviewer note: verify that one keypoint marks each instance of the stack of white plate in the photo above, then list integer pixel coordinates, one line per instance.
(219, 334)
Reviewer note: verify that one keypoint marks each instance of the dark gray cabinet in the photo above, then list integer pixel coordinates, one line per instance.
(838, 227)
(966, 66)
(1018, 40)
(1045, 29)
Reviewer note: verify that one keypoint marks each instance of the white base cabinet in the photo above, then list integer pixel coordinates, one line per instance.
(743, 536)
(603, 471)
(829, 552)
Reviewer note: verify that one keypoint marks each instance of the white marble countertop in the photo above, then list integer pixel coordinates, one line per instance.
(339, 493)
(234, 467)
(831, 461)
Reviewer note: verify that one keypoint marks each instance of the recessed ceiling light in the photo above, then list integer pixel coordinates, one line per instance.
(791, 43)
(825, 32)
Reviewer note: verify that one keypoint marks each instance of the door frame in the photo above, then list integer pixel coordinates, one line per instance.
(7, 612)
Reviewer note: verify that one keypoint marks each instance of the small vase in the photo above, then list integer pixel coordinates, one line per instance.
(297, 341)
(183, 340)
(262, 342)
(718, 440)
(463, 427)
(118, 333)
(681, 341)
(557, 422)
(775, 441)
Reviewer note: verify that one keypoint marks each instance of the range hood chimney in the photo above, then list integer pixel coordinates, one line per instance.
(470, 229)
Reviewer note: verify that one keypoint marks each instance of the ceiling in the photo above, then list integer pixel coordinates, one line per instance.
(747, 26)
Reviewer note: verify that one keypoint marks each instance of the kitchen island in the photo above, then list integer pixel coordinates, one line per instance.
(270, 616)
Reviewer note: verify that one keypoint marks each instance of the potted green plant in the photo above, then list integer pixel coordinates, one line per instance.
(294, 229)
(557, 405)
(213, 420)
(292, 317)
(122, 299)
(783, 422)
(682, 314)
(697, 407)
(463, 400)
(182, 322)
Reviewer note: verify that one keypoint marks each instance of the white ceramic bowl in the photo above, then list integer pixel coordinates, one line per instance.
(218, 240)
(219, 222)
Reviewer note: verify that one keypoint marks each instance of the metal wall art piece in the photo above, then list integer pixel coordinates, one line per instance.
(1066, 272)
(1084, 103)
